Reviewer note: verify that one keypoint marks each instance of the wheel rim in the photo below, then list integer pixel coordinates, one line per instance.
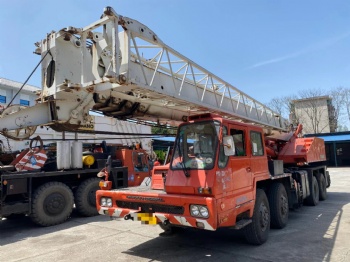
(264, 217)
(284, 206)
(54, 204)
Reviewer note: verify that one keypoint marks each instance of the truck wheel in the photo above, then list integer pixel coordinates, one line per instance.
(278, 201)
(52, 204)
(257, 232)
(85, 197)
(313, 199)
(322, 186)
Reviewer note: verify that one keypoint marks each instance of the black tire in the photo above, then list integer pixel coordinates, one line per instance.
(170, 229)
(314, 197)
(279, 208)
(85, 197)
(52, 204)
(322, 187)
(257, 232)
(328, 179)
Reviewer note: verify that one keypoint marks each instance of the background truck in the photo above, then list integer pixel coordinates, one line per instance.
(234, 162)
(40, 184)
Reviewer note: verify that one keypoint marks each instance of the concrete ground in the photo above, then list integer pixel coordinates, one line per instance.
(320, 233)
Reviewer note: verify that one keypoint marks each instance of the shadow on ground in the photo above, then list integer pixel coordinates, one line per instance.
(309, 236)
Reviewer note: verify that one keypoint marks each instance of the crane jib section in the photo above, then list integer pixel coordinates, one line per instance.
(121, 68)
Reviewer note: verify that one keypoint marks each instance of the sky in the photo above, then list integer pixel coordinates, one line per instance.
(266, 48)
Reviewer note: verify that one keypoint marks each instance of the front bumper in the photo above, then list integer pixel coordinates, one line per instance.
(178, 218)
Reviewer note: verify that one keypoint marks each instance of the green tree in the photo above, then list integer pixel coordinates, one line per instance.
(163, 130)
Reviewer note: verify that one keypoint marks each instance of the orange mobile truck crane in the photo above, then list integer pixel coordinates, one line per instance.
(226, 174)
(233, 165)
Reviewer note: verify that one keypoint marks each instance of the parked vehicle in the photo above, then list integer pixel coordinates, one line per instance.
(226, 174)
(45, 184)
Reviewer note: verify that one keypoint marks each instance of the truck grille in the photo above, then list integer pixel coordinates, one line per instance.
(147, 207)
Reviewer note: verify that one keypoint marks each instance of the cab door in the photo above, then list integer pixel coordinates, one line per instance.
(259, 159)
(240, 163)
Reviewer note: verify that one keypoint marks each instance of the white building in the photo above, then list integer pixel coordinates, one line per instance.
(9, 88)
(316, 114)
(27, 96)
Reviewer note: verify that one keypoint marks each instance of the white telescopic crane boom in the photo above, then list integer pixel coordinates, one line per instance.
(121, 68)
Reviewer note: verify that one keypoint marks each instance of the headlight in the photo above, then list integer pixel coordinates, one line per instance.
(194, 210)
(103, 201)
(106, 202)
(204, 211)
(199, 211)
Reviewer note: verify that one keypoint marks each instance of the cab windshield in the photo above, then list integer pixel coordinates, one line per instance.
(195, 146)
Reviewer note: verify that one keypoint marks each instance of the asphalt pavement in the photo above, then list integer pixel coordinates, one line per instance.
(320, 233)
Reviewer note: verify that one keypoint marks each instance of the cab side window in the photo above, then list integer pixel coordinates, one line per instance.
(139, 161)
(256, 143)
(239, 140)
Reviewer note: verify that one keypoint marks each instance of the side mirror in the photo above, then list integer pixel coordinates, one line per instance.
(229, 146)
